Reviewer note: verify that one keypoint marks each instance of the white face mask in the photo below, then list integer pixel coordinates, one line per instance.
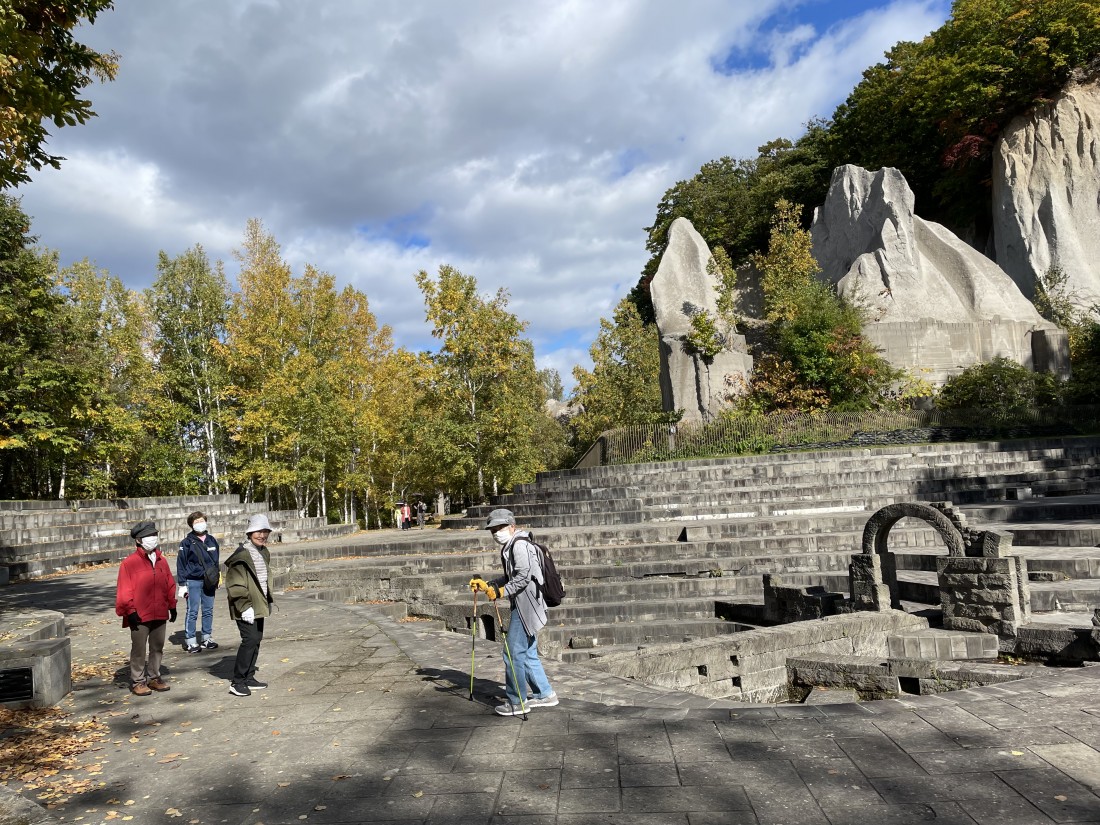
(199, 527)
(503, 535)
(150, 543)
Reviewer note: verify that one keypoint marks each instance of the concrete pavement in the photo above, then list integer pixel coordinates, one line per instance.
(368, 719)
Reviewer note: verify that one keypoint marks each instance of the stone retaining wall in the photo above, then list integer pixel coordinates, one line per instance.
(752, 666)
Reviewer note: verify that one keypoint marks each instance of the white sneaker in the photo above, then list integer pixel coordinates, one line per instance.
(509, 710)
(546, 702)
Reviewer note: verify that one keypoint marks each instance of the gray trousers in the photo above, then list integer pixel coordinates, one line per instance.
(147, 636)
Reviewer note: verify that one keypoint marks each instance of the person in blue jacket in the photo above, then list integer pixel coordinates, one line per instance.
(198, 551)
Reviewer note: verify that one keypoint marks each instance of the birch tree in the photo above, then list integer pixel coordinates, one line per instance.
(483, 398)
(189, 302)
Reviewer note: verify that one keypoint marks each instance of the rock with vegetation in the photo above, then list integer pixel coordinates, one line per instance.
(700, 355)
(932, 302)
(1046, 192)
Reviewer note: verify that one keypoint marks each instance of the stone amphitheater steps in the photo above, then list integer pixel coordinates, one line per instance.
(637, 545)
(40, 537)
(933, 472)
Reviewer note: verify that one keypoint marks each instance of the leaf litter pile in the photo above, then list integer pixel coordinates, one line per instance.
(39, 749)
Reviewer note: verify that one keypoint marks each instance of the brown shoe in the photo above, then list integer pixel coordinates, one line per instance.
(158, 685)
(140, 689)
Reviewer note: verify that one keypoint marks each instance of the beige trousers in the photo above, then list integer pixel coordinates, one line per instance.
(148, 636)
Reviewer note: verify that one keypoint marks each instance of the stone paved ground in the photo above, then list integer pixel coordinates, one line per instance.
(368, 720)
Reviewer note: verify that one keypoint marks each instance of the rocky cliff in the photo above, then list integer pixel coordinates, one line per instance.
(1046, 192)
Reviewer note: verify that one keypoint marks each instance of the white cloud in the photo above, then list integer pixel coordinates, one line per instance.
(526, 144)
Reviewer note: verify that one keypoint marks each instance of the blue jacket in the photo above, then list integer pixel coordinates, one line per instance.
(196, 554)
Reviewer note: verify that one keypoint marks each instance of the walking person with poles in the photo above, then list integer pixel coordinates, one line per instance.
(521, 583)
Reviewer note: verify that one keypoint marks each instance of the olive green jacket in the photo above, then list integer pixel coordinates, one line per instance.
(242, 585)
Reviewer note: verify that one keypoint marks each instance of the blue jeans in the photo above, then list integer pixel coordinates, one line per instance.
(525, 662)
(195, 598)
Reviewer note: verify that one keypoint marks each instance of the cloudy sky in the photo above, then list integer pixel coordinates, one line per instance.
(525, 143)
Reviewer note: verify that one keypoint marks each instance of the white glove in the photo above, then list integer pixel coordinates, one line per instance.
(248, 616)
(181, 591)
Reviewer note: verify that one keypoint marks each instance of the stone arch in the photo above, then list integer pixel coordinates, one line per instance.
(876, 536)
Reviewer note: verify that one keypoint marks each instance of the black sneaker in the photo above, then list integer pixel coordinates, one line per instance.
(191, 648)
(209, 644)
(255, 684)
(240, 690)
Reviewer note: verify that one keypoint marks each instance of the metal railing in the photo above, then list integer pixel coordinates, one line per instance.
(830, 430)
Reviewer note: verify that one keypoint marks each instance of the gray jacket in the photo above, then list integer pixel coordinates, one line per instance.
(521, 572)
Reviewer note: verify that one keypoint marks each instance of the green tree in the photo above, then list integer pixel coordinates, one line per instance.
(36, 386)
(815, 338)
(1001, 388)
(550, 379)
(623, 386)
(483, 396)
(729, 201)
(116, 384)
(43, 70)
(189, 302)
(256, 350)
(934, 109)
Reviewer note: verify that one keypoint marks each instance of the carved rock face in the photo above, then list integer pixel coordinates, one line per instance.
(682, 287)
(934, 303)
(1046, 192)
(877, 252)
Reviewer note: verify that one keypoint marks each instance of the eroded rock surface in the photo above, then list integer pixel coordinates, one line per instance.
(934, 303)
(1046, 193)
(682, 287)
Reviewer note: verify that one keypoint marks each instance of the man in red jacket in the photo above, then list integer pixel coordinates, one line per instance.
(146, 599)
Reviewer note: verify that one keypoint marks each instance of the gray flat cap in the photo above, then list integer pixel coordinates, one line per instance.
(143, 529)
(498, 517)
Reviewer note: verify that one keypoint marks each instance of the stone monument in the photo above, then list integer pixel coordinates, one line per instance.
(682, 287)
(934, 303)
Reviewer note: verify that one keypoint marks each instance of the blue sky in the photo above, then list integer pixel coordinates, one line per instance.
(526, 144)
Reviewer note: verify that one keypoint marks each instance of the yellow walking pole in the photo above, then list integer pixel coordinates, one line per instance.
(473, 642)
(511, 664)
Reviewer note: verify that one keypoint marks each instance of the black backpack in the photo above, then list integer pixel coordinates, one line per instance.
(553, 591)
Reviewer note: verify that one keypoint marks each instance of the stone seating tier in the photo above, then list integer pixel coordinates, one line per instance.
(632, 580)
(41, 537)
(846, 479)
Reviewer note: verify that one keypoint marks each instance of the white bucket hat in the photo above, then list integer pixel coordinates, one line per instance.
(256, 523)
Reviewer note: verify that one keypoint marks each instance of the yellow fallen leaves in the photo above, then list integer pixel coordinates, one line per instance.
(40, 751)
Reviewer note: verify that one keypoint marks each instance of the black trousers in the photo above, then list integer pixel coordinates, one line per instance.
(251, 635)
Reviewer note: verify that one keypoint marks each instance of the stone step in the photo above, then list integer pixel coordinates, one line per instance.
(930, 456)
(989, 476)
(592, 637)
(940, 644)
(1062, 509)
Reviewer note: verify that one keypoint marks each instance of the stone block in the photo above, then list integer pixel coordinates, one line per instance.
(50, 664)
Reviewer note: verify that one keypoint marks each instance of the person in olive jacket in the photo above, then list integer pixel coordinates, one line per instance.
(248, 587)
(146, 600)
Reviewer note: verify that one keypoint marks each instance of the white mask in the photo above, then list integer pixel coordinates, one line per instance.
(199, 527)
(150, 543)
(503, 535)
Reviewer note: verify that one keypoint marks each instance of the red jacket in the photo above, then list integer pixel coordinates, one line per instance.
(144, 589)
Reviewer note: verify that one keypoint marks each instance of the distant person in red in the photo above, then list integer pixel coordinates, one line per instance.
(406, 516)
(146, 600)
